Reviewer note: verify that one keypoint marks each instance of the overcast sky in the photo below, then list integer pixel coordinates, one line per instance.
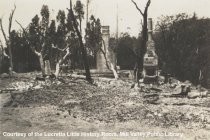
(106, 10)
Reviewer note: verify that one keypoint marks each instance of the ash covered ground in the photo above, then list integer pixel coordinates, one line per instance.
(72, 104)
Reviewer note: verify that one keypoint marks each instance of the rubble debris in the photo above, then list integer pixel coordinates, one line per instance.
(113, 101)
(7, 90)
(156, 89)
(40, 78)
(4, 75)
(151, 98)
(14, 74)
(21, 86)
(172, 80)
(198, 92)
(161, 80)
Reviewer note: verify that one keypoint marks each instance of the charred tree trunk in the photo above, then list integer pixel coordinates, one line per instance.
(140, 58)
(41, 62)
(38, 54)
(114, 71)
(82, 47)
(80, 25)
(60, 62)
(10, 54)
(8, 40)
(109, 64)
(1, 55)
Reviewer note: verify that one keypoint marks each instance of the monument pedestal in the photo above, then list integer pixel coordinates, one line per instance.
(101, 62)
(150, 58)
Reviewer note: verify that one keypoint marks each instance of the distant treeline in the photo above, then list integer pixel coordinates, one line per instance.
(182, 43)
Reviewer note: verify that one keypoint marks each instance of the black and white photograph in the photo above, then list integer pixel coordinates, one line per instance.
(104, 70)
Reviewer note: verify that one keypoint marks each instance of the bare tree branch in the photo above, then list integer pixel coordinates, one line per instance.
(1, 49)
(37, 53)
(146, 8)
(54, 47)
(3, 53)
(148, 3)
(8, 43)
(3, 32)
(25, 34)
(109, 64)
(61, 61)
(24, 31)
(137, 7)
(10, 18)
(1, 45)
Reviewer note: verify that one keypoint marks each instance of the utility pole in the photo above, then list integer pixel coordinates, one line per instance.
(117, 24)
(117, 33)
(87, 6)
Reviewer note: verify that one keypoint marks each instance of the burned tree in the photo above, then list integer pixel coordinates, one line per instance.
(79, 13)
(47, 42)
(2, 51)
(1, 55)
(38, 37)
(8, 39)
(141, 51)
(33, 40)
(82, 47)
(96, 43)
(61, 47)
(65, 40)
(60, 61)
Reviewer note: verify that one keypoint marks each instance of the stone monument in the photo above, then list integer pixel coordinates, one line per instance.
(150, 58)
